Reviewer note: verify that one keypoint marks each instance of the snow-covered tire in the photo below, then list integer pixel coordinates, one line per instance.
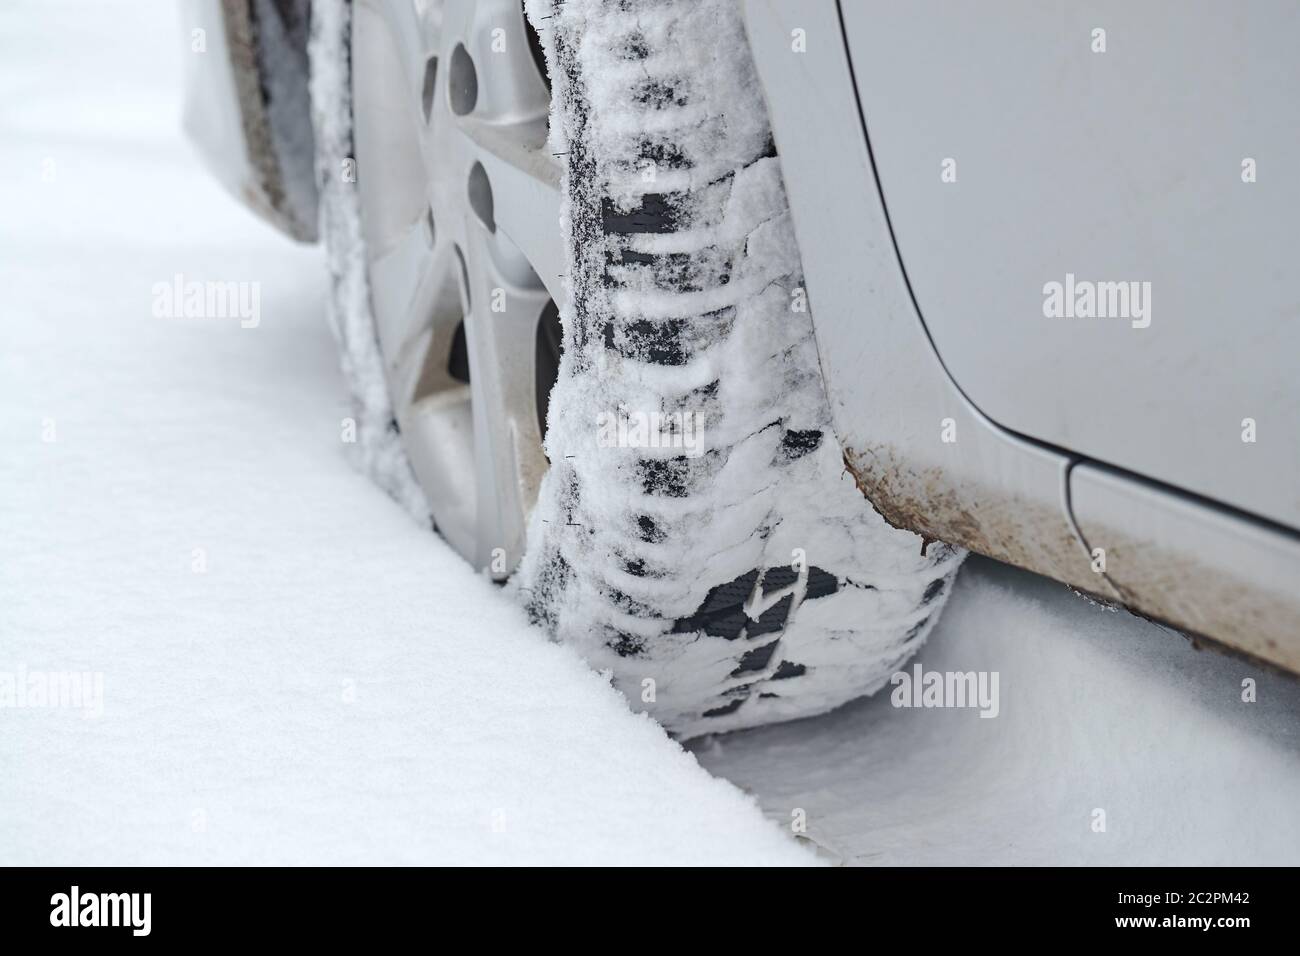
(723, 569)
(751, 582)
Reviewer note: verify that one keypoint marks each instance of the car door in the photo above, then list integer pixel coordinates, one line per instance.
(1096, 207)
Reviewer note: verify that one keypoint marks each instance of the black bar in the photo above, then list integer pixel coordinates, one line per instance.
(341, 906)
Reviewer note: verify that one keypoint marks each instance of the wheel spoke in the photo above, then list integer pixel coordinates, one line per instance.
(501, 333)
(402, 286)
(525, 183)
(461, 222)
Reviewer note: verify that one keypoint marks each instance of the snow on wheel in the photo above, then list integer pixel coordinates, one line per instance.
(444, 250)
(676, 506)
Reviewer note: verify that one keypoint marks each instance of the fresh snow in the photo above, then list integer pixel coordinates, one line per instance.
(337, 686)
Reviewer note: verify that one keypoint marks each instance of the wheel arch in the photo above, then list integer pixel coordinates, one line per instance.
(247, 105)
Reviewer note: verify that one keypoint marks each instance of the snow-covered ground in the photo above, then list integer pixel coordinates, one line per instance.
(336, 686)
(292, 671)
(1097, 710)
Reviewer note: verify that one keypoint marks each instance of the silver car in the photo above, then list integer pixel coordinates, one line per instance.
(721, 330)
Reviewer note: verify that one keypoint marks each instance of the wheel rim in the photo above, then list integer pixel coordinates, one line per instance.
(460, 219)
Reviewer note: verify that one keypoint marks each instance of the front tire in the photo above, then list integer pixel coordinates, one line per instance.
(720, 566)
(749, 583)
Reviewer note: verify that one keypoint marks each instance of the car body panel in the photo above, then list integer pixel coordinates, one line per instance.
(1213, 571)
(924, 455)
(1117, 165)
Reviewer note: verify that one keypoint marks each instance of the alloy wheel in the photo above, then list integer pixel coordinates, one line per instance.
(460, 220)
